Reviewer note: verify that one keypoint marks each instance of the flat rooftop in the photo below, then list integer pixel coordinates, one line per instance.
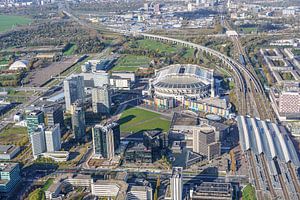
(5, 149)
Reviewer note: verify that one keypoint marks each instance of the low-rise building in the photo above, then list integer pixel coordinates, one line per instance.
(8, 152)
(212, 191)
(114, 189)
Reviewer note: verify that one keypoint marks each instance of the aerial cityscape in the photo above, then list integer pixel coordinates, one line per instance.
(149, 100)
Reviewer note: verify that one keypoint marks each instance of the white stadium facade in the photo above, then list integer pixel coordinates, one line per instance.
(183, 81)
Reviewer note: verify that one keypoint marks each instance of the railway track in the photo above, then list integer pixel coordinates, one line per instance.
(294, 178)
(255, 177)
(269, 181)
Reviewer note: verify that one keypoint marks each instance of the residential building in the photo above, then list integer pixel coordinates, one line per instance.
(106, 139)
(78, 120)
(38, 143)
(53, 138)
(74, 90)
(8, 152)
(9, 176)
(176, 185)
(33, 120)
(101, 99)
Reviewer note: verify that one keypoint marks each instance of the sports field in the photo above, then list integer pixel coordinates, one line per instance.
(131, 63)
(136, 120)
(9, 21)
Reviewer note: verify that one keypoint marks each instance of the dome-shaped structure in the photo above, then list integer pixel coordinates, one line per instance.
(183, 80)
(19, 64)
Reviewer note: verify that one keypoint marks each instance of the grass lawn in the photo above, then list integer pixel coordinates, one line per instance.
(70, 51)
(136, 120)
(48, 184)
(131, 63)
(9, 21)
(189, 53)
(249, 193)
(156, 46)
(14, 135)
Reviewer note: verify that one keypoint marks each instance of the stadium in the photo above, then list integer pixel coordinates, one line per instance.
(183, 81)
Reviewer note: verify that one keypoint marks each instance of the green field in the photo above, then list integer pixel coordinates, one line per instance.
(136, 120)
(249, 193)
(131, 63)
(156, 46)
(161, 47)
(71, 50)
(9, 21)
(14, 135)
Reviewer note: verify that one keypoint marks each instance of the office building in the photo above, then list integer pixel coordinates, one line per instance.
(176, 185)
(54, 115)
(110, 189)
(204, 141)
(78, 120)
(138, 153)
(9, 176)
(33, 120)
(53, 138)
(106, 139)
(73, 90)
(38, 143)
(101, 99)
(139, 193)
(8, 152)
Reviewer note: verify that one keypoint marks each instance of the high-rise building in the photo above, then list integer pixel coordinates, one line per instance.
(176, 185)
(33, 120)
(101, 99)
(74, 90)
(139, 193)
(204, 141)
(53, 138)
(9, 176)
(38, 143)
(106, 139)
(54, 115)
(78, 120)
